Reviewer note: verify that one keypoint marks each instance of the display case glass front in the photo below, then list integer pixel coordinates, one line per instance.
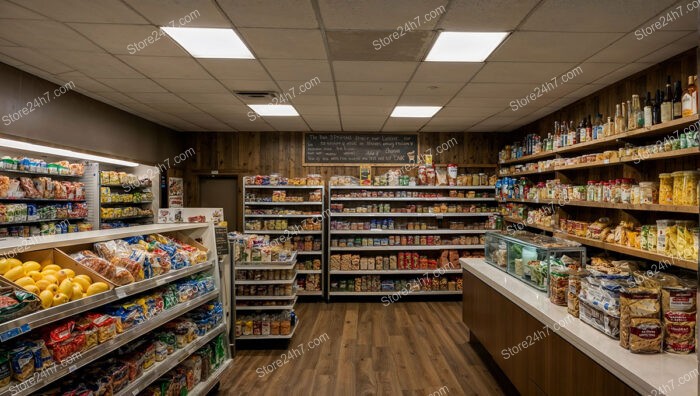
(528, 256)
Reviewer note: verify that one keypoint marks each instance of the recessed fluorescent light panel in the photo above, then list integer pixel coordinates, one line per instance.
(275, 110)
(464, 46)
(210, 43)
(62, 153)
(415, 111)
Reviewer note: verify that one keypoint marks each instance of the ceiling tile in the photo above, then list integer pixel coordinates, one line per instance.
(173, 104)
(404, 124)
(366, 110)
(495, 90)
(190, 13)
(154, 98)
(36, 59)
(250, 85)
(521, 72)
(548, 47)
(370, 88)
(362, 123)
(259, 125)
(84, 82)
(293, 124)
(373, 71)
(468, 112)
(682, 15)
(120, 98)
(192, 86)
(442, 128)
(132, 85)
(210, 98)
(346, 100)
(570, 16)
(235, 69)
(5, 43)
(285, 43)
(270, 13)
(486, 15)
(586, 90)
(316, 110)
(9, 61)
(44, 34)
(95, 11)
(445, 90)
(377, 15)
(682, 44)
(378, 45)
(412, 100)
(165, 66)
(13, 11)
(629, 48)
(298, 70)
(434, 72)
(130, 39)
(323, 124)
(461, 101)
(623, 72)
(95, 65)
(311, 100)
(294, 89)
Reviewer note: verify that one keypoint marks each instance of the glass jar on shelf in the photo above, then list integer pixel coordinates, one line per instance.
(648, 193)
(590, 191)
(678, 184)
(625, 191)
(666, 189)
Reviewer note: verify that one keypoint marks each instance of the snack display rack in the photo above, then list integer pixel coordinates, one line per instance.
(354, 196)
(33, 323)
(641, 162)
(312, 259)
(267, 304)
(136, 188)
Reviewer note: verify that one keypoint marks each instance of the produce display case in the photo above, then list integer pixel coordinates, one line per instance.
(528, 256)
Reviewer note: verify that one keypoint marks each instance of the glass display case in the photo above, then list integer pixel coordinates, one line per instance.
(528, 256)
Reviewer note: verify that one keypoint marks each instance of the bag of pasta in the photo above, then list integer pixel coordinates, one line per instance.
(637, 303)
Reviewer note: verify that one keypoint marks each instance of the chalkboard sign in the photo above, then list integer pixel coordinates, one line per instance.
(364, 148)
(221, 238)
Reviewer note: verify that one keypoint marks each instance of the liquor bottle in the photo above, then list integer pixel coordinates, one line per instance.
(689, 99)
(666, 104)
(656, 112)
(598, 127)
(628, 117)
(555, 143)
(677, 106)
(573, 134)
(637, 120)
(648, 111)
(619, 120)
(582, 130)
(589, 129)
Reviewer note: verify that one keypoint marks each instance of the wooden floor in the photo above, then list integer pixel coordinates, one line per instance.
(406, 348)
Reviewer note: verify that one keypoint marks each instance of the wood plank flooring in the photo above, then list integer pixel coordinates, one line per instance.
(406, 348)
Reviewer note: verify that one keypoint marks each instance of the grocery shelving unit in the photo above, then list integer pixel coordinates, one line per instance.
(29, 323)
(290, 300)
(129, 189)
(629, 166)
(377, 232)
(318, 207)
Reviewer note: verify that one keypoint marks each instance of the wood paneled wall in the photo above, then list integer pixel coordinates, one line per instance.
(250, 153)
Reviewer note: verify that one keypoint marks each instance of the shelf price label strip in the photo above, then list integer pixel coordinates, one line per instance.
(24, 324)
(111, 345)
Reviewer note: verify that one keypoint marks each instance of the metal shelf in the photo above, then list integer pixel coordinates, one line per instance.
(161, 368)
(310, 293)
(403, 248)
(292, 260)
(266, 307)
(105, 219)
(438, 215)
(304, 272)
(283, 232)
(103, 349)
(438, 199)
(407, 232)
(282, 216)
(309, 252)
(411, 187)
(265, 267)
(21, 200)
(271, 337)
(15, 327)
(23, 172)
(124, 203)
(266, 282)
(283, 187)
(387, 293)
(396, 272)
(264, 298)
(285, 203)
(42, 221)
(208, 384)
(619, 206)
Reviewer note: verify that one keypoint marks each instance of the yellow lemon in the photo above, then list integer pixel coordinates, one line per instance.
(66, 287)
(14, 262)
(15, 273)
(97, 287)
(51, 278)
(69, 272)
(53, 288)
(82, 282)
(24, 281)
(32, 289)
(42, 284)
(51, 267)
(77, 292)
(4, 266)
(86, 278)
(46, 298)
(31, 266)
(36, 275)
(59, 299)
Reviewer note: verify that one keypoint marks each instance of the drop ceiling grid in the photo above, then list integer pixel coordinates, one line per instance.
(290, 39)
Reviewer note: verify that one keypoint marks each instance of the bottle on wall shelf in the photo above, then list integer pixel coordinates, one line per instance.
(629, 116)
(619, 119)
(637, 116)
(648, 111)
(677, 105)
(656, 111)
(589, 129)
(598, 128)
(689, 101)
(666, 102)
(582, 130)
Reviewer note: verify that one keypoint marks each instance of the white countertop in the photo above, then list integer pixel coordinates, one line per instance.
(656, 374)
(19, 245)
